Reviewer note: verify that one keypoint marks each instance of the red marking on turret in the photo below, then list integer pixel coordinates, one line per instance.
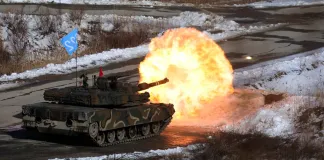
(100, 72)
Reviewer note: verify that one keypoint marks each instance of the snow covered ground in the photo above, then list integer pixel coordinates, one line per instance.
(184, 151)
(84, 62)
(41, 40)
(299, 115)
(5, 86)
(281, 118)
(209, 23)
(300, 74)
(262, 4)
(283, 3)
(100, 2)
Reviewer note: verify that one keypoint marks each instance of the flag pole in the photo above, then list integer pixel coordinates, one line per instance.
(76, 68)
(70, 42)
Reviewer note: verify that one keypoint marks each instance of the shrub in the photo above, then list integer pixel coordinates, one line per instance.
(17, 37)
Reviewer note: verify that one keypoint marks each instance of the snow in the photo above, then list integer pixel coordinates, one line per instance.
(40, 42)
(84, 62)
(283, 3)
(262, 4)
(284, 119)
(272, 120)
(300, 74)
(301, 77)
(210, 23)
(107, 27)
(5, 86)
(101, 2)
(240, 31)
(184, 151)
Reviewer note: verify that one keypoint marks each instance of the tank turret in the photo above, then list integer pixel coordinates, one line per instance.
(106, 91)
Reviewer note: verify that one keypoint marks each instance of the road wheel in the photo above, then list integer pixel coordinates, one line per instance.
(145, 129)
(131, 132)
(100, 139)
(155, 127)
(120, 134)
(111, 136)
(93, 129)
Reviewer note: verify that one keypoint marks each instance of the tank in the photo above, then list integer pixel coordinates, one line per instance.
(107, 91)
(109, 112)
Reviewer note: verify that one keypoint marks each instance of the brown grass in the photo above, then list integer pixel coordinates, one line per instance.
(6, 68)
(4, 58)
(103, 41)
(4, 55)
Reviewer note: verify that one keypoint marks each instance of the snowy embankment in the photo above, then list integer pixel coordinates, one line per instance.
(101, 2)
(209, 23)
(186, 153)
(41, 41)
(300, 74)
(302, 112)
(262, 4)
(284, 119)
(282, 3)
(43, 34)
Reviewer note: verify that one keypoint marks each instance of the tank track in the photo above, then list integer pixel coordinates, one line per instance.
(164, 125)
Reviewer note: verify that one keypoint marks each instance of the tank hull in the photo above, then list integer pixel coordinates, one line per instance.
(98, 122)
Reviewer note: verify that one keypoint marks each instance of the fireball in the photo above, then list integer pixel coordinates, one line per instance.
(196, 66)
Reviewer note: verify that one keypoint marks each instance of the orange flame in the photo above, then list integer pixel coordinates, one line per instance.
(195, 65)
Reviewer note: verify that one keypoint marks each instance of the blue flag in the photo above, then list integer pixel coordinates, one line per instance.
(70, 41)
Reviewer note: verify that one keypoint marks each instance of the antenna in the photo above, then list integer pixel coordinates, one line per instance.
(70, 43)
(76, 68)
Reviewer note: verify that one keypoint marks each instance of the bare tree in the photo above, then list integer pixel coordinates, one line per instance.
(77, 15)
(4, 55)
(17, 36)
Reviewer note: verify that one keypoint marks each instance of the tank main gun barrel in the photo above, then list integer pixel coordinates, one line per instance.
(144, 86)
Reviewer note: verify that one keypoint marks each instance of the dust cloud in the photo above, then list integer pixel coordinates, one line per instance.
(225, 110)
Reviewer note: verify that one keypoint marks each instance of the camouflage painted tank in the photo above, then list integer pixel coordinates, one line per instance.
(107, 91)
(109, 112)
